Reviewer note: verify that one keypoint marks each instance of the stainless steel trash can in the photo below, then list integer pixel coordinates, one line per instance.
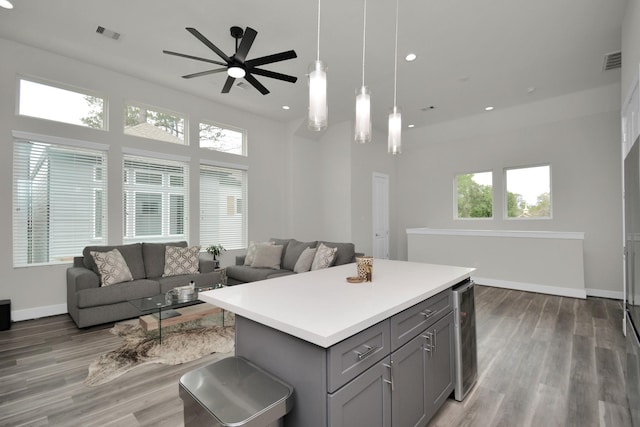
(234, 392)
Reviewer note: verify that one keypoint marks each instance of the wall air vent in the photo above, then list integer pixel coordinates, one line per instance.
(612, 61)
(108, 33)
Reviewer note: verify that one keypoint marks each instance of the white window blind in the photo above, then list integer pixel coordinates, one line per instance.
(223, 202)
(155, 200)
(59, 201)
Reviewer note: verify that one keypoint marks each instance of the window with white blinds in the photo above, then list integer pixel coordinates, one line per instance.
(155, 199)
(59, 201)
(223, 201)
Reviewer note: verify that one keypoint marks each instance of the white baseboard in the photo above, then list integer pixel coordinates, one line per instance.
(532, 287)
(605, 294)
(37, 312)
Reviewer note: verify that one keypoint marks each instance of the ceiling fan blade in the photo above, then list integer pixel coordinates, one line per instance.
(255, 83)
(274, 75)
(276, 57)
(207, 43)
(204, 73)
(245, 44)
(228, 84)
(197, 58)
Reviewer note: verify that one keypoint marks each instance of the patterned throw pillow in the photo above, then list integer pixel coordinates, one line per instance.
(112, 267)
(179, 261)
(305, 260)
(324, 257)
(252, 249)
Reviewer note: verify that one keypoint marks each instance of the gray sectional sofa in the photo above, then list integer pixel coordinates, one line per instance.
(292, 249)
(90, 304)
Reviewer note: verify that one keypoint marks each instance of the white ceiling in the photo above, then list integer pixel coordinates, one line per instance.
(471, 53)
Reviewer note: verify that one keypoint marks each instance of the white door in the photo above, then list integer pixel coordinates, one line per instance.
(380, 215)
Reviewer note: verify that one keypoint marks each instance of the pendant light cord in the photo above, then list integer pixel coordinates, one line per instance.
(395, 66)
(364, 38)
(318, 57)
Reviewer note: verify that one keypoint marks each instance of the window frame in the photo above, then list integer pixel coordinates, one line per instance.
(455, 197)
(68, 88)
(155, 109)
(244, 147)
(505, 193)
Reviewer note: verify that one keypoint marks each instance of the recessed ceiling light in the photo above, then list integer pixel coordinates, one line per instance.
(6, 4)
(411, 126)
(488, 108)
(286, 107)
(410, 57)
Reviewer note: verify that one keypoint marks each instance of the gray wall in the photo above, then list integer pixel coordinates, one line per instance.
(578, 134)
(630, 45)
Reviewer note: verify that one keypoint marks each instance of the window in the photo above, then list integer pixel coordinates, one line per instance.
(59, 202)
(528, 192)
(62, 105)
(214, 137)
(146, 123)
(155, 199)
(223, 215)
(474, 195)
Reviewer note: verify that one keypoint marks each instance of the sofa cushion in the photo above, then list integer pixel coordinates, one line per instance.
(293, 251)
(119, 292)
(132, 254)
(346, 252)
(154, 257)
(268, 256)
(179, 261)
(284, 243)
(112, 267)
(251, 251)
(245, 273)
(305, 260)
(324, 257)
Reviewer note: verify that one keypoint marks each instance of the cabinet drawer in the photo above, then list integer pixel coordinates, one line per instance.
(408, 323)
(351, 357)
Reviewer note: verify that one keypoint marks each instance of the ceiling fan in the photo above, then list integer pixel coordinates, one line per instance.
(236, 65)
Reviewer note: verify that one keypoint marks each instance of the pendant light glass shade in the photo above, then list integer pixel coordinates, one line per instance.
(363, 115)
(395, 131)
(318, 111)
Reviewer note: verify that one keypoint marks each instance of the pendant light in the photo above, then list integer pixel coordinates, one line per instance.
(363, 97)
(395, 118)
(318, 111)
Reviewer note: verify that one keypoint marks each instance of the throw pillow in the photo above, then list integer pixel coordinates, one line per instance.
(304, 260)
(179, 261)
(251, 251)
(112, 267)
(324, 257)
(268, 256)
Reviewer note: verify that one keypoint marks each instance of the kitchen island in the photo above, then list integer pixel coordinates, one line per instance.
(352, 351)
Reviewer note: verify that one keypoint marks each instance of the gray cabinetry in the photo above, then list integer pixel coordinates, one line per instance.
(365, 401)
(396, 373)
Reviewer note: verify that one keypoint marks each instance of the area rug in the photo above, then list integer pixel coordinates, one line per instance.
(180, 344)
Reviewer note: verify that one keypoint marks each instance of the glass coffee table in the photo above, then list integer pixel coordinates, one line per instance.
(165, 306)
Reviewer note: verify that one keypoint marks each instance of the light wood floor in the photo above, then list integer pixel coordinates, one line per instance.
(543, 361)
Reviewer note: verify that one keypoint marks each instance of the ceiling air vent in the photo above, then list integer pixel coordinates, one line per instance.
(108, 33)
(612, 61)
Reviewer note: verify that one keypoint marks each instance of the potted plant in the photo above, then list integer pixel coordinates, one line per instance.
(215, 250)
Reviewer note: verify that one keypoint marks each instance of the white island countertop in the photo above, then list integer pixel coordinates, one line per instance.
(323, 308)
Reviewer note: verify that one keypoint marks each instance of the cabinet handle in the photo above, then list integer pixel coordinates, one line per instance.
(427, 313)
(428, 345)
(435, 340)
(390, 374)
(370, 350)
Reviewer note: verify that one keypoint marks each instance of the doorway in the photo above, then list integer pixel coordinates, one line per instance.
(380, 215)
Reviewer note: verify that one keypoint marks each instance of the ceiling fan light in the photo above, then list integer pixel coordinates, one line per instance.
(363, 115)
(318, 111)
(236, 72)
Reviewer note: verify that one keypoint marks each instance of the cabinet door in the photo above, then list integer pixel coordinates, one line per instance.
(409, 392)
(365, 401)
(440, 363)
